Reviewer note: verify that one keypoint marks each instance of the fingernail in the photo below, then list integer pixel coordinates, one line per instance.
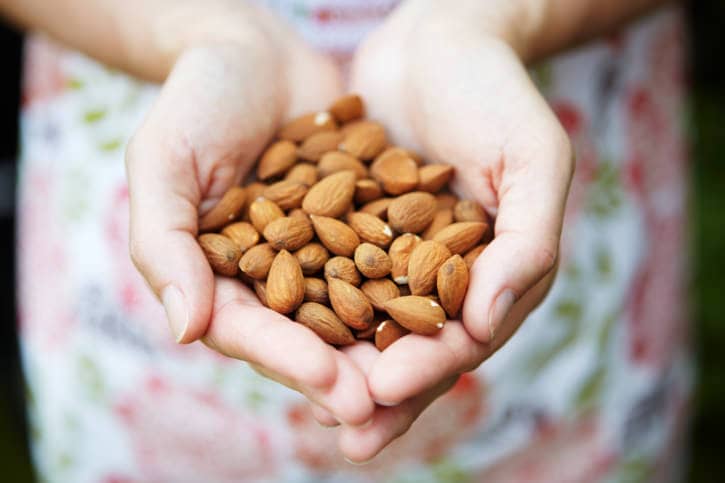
(386, 404)
(176, 311)
(358, 463)
(500, 309)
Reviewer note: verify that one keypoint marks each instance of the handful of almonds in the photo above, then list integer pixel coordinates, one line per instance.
(351, 237)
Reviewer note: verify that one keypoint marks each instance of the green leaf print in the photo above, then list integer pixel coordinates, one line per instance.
(90, 378)
(605, 197)
(111, 145)
(75, 84)
(590, 392)
(635, 469)
(447, 471)
(603, 263)
(94, 115)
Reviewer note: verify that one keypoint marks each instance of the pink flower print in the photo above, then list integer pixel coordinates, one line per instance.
(43, 76)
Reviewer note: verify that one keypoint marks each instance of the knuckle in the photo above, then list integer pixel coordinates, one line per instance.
(546, 256)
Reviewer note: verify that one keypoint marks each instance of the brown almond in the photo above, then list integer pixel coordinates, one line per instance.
(285, 283)
(323, 322)
(263, 211)
(442, 219)
(417, 314)
(337, 237)
(316, 291)
(350, 304)
(286, 194)
(347, 108)
(369, 333)
(304, 173)
(433, 177)
(378, 208)
(412, 212)
(388, 332)
(312, 257)
(446, 201)
(276, 160)
(423, 266)
(243, 234)
(336, 161)
(228, 209)
(367, 190)
(254, 191)
(399, 253)
(305, 126)
(472, 254)
(260, 288)
(257, 260)
(289, 233)
(370, 228)
(349, 127)
(452, 284)
(223, 254)
(372, 261)
(342, 268)
(379, 291)
(469, 210)
(366, 141)
(404, 290)
(461, 237)
(396, 171)
(318, 144)
(415, 156)
(331, 196)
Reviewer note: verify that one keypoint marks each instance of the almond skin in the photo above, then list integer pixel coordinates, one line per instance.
(347, 108)
(289, 233)
(365, 141)
(388, 332)
(343, 268)
(472, 254)
(446, 201)
(367, 190)
(254, 191)
(318, 144)
(257, 261)
(452, 284)
(243, 234)
(285, 284)
(337, 237)
(379, 291)
(378, 208)
(442, 219)
(336, 161)
(262, 212)
(396, 171)
(223, 254)
(468, 210)
(304, 173)
(412, 212)
(433, 177)
(305, 126)
(372, 261)
(260, 288)
(399, 253)
(370, 228)
(323, 322)
(316, 291)
(228, 209)
(331, 196)
(286, 194)
(369, 333)
(417, 314)
(312, 257)
(276, 160)
(423, 266)
(350, 304)
(461, 237)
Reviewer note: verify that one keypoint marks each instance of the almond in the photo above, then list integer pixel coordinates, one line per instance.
(312, 257)
(260, 288)
(254, 191)
(257, 260)
(415, 157)
(286, 194)
(318, 144)
(285, 284)
(452, 284)
(399, 253)
(372, 261)
(336, 161)
(323, 322)
(316, 291)
(305, 126)
(461, 237)
(331, 196)
(379, 291)
(289, 233)
(442, 219)
(433, 177)
(367, 190)
(404, 290)
(412, 212)
(299, 213)
(262, 212)
(417, 314)
(468, 210)
(369, 333)
(355, 125)
(366, 141)
(342, 268)
(370, 228)
(446, 201)
(388, 332)
(243, 234)
(228, 209)
(276, 160)
(223, 254)
(472, 254)
(304, 173)
(396, 171)
(378, 208)
(423, 266)
(347, 108)
(350, 304)
(337, 237)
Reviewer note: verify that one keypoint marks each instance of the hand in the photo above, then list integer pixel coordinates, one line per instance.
(453, 87)
(218, 108)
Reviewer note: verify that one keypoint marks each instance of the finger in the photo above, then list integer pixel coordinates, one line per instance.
(323, 416)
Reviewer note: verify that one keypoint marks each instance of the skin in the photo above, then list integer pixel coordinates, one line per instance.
(448, 82)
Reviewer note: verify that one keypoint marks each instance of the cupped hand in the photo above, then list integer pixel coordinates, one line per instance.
(220, 105)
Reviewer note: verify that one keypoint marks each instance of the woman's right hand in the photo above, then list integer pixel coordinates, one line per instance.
(229, 90)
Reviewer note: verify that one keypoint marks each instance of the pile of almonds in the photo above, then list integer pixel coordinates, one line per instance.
(351, 237)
